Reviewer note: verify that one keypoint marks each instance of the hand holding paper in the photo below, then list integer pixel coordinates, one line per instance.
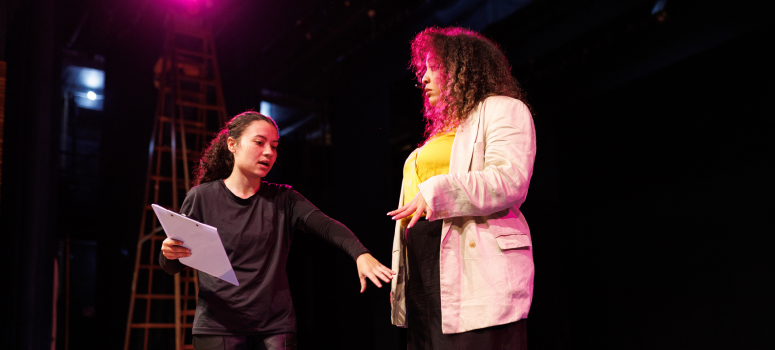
(173, 249)
(202, 241)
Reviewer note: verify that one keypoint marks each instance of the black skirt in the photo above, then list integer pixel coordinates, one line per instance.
(423, 301)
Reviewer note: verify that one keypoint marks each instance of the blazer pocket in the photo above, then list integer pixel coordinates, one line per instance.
(513, 240)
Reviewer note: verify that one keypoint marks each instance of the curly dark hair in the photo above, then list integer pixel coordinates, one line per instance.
(217, 162)
(470, 69)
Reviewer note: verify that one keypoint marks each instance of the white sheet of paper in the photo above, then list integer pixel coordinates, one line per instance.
(207, 252)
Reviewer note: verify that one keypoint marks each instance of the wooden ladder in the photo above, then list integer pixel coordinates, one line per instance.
(189, 112)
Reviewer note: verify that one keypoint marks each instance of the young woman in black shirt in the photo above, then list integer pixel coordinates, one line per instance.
(255, 220)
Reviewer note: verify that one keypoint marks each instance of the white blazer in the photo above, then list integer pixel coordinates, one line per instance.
(486, 259)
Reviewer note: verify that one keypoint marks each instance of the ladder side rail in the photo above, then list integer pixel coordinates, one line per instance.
(217, 77)
(158, 178)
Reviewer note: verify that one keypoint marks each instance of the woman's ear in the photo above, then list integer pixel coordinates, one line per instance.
(231, 144)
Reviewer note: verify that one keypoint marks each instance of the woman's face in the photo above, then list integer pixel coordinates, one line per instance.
(430, 80)
(256, 150)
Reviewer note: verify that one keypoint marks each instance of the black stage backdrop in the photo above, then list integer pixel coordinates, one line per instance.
(647, 205)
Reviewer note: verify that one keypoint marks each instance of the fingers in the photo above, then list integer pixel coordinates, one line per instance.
(384, 276)
(394, 212)
(417, 206)
(370, 268)
(387, 270)
(171, 242)
(391, 213)
(413, 221)
(374, 280)
(404, 211)
(176, 255)
(417, 214)
(176, 249)
(381, 272)
(172, 249)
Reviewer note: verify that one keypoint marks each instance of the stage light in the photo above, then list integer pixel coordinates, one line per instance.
(91, 78)
(658, 6)
(85, 84)
(266, 109)
(89, 100)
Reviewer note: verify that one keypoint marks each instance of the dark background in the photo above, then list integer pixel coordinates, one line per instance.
(647, 204)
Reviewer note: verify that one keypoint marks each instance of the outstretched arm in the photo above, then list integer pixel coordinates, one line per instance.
(339, 235)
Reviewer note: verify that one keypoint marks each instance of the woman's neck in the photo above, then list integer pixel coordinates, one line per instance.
(241, 185)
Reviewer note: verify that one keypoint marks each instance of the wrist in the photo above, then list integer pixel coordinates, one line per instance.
(364, 255)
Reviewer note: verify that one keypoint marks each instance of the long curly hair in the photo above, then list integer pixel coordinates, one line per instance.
(470, 69)
(217, 161)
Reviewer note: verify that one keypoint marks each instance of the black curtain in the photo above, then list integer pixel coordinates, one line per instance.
(27, 210)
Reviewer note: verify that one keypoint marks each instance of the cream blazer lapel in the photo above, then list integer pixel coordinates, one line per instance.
(460, 161)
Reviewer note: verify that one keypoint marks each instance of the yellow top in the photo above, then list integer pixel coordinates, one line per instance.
(430, 160)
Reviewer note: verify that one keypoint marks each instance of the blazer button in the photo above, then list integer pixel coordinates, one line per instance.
(472, 244)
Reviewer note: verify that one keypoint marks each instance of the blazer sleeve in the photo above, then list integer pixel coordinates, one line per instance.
(509, 152)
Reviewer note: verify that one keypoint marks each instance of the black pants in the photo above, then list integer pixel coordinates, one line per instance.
(282, 341)
(423, 302)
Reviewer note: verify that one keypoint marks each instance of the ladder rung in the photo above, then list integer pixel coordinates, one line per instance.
(169, 149)
(161, 178)
(193, 53)
(188, 313)
(154, 237)
(148, 207)
(197, 80)
(191, 95)
(194, 123)
(152, 267)
(186, 92)
(199, 105)
(160, 325)
(204, 132)
(181, 182)
(191, 31)
(155, 296)
(162, 296)
(201, 132)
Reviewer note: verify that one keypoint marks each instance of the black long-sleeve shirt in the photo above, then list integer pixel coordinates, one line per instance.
(256, 233)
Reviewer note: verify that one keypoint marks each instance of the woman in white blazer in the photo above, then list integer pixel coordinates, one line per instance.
(462, 248)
